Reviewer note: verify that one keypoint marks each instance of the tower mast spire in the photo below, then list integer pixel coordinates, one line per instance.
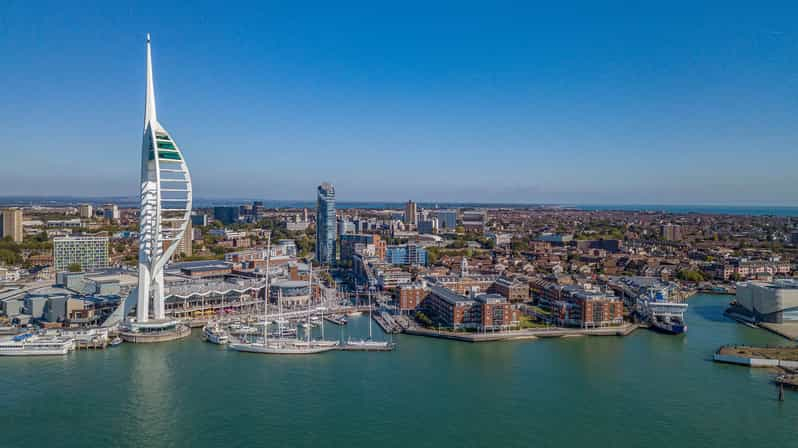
(149, 102)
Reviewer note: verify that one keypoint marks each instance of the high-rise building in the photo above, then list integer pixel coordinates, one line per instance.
(165, 212)
(671, 232)
(447, 219)
(325, 223)
(86, 211)
(406, 254)
(88, 252)
(111, 212)
(257, 208)
(185, 247)
(12, 224)
(345, 226)
(411, 213)
(429, 225)
(227, 215)
(200, 220)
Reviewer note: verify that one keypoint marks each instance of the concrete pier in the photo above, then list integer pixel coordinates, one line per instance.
(516, 335)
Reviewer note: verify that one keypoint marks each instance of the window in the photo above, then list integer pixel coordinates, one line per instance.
(168, 155)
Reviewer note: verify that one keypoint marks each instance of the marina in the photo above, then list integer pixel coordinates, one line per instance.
(557, 371)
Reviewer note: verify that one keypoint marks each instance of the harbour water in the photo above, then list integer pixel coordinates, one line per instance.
(647, 389)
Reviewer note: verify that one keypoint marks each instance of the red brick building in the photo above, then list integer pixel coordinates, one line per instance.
(410, 297)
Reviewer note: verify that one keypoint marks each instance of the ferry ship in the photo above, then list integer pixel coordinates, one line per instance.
(33, 345)
(662, 314)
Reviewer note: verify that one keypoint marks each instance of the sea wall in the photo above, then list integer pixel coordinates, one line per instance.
(755, 362)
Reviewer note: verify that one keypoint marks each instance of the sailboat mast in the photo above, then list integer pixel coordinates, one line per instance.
(266, 295)
(369, 313)
(310, 297)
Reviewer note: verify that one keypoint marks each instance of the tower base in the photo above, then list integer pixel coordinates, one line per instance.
(154, 331)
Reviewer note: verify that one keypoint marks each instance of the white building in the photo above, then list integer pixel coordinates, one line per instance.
(89, 252)
(775, 302)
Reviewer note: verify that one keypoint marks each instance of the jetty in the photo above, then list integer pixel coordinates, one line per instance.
(361, 348)
(334, 319)
(769, 356)
(518, 335)
(387, 323)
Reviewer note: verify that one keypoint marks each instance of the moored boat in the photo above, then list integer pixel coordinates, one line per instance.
(33, 345)
(662, 314)
(215, 334)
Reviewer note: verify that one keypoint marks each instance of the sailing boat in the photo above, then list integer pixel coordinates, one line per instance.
(369, 343)
(309, 327)
(281, 346)
(355, 312)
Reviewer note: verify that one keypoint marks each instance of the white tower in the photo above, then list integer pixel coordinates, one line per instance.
(165, 205)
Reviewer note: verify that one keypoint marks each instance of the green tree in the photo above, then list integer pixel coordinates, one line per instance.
(74, 267)
(690, 276)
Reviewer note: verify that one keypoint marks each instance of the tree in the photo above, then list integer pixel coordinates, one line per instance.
(74, 267)
(424, 319)
(690, 276)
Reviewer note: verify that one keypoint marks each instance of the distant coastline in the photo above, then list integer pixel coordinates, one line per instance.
(129, 201)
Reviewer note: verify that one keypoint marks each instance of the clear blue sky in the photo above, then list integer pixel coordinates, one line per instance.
(584, 102)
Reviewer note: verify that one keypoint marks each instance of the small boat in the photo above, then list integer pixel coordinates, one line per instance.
(116, 341)
(243, 330)
(215, 334)
(368, 343)
(354, 313)
(316, 343)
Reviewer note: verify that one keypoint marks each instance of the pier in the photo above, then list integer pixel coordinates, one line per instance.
(360, 348)
(518, 335)
(387, 323)
(335, 320)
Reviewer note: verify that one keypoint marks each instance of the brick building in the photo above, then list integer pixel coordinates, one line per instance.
(410, 297)
(483, 312)
(512, 290)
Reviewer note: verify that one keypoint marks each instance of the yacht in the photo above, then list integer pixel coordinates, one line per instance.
(278, 348)
(33, 345)
(368, 343)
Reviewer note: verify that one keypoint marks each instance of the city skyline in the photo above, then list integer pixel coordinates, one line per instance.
(640, 107)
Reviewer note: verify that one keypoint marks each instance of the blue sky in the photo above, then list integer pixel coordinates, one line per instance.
(582, 102)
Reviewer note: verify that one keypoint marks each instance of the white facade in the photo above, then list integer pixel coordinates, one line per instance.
(770, 302)
(90, 252)
(165, 206)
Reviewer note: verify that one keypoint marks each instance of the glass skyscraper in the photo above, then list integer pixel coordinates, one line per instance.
(325, 223)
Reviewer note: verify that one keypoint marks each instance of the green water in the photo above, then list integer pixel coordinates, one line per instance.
(643, 390)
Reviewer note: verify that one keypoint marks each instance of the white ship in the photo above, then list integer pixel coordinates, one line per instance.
(34, 345)
(662, 314)
(215, 334)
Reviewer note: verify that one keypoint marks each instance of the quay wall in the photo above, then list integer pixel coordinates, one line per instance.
(755, 362)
